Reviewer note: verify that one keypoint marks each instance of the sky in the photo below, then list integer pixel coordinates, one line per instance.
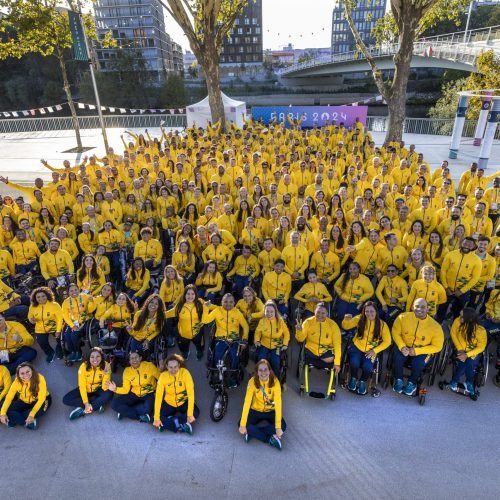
(305, 24)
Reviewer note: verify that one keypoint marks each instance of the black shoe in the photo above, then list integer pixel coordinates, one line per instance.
(199, 355)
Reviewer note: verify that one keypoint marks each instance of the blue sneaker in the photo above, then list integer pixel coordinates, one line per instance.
(398, 386)
(187, 428)
(352, 384)
(470, 388)
(275, 442)
(145, 419)
(76, 413)
(362, 390)
(452, 386)
(33, 426)
(409, 389)
(78, 357)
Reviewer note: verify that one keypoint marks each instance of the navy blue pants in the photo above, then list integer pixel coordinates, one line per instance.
(25, 268)
(197, 340)
(342, 308)
(203, 294)
(43, 342)
(272, 356)
(318, 361)
(132, 406)
(96, 399)
(72, 338)
(240, 282)
(22, 355)
(20, 311)
(220, 349)
(19, 410)
(357, 360)
(256, 429)
(417, 364)
(173, 417)
(467, 368)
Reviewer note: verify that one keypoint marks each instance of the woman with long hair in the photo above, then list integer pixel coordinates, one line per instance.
(175, 408)
(92, 393)
(281, 235)
(435, 251)
(87, 240)
(27, 399)
(454, 241)
(263, 405)
(355, 233)
(184, 261)
(209, 281)
(171, 287)
(137, 281)
(414, 265)
(252, 308)
(149, 322)
(371, 338)
(469, 339)
(89, 277)
(416, 237)
(119, 317)
(45, 222)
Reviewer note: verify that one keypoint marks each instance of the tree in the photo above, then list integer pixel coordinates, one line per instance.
(408, 19)
(206, 24)
(41, 26)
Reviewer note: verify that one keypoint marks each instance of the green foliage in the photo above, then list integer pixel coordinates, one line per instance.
(173, 92)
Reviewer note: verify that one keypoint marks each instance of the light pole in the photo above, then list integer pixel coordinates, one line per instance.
(471, 5)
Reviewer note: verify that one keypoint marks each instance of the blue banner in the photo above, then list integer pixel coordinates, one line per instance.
(313, 115)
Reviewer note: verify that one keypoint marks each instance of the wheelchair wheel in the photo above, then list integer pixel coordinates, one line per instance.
(496, 379)
(421, 400)
(159, 350)
(433, 372)
(300, 362)
(219, 405)
(482, 371)
(92, 336)
(444, 356)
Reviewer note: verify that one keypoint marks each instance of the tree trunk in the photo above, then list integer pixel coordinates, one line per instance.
(396, 106)
(67, 90)
(210, 64)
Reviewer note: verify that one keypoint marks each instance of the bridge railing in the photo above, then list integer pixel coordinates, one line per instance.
(478, 35)
(90, 122)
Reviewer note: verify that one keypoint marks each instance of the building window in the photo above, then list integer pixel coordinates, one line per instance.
(254, 21)
(246, 21)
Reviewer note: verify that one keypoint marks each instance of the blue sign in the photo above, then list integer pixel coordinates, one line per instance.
(313, 115)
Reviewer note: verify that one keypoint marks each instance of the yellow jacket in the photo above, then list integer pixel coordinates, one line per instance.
(24, 253)
(113, 240)
(228, 323)
(272, 333)
(7, 341)
(245, 267)
(140, 381)
(356, 291)
(327, 265)
(389, 288)
(92, 379)
(368, 256)
(262, 399)
(296, 259)
(22, 390)
(120, 316)
(476, 346)
(189, 324)
(90, 284)
(310, 290)
(267, 259)
(47, 318)
(138, 285)
(76, 310)
(6, 296)
(5, 382)
(148, 332)
(6, 264)
(175, 391)
(277, 286)
(488, 272)
(397, 257)
(180, 262)
(433, 292)
(211, 283)
(171, 294)
(222, 255)
(366, 342)
(321, 337)
(460, 271)
(493, 305)
(54, 265)
(149, 250)
(424, 335)
(99, 305)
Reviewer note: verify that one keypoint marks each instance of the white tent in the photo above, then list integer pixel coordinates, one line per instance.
(199, 113)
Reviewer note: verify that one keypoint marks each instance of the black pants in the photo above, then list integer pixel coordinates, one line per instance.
(261, 425)
(132, 406)
(173, 417)
(198, 341)
(19, 410)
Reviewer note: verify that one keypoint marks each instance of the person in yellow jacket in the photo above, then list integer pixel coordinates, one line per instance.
(268, 256)
(326, 263)
(312, 293)
(218, 252)
(392, 293)
(277, 286)
(6, 265)
(367, 253)
(46, 314)
(89, 278)
(469, 339)
(271, 337)
(371, 338)
(75, 311)
(55, 263)
(27, 400)
(25, 253)
(175, 408)
(135, 398)
(119, 316)
(296, 258)
(460, 272)
(488, 271)
(231, 328)
(263, 405)
(5, 382)
(137, 281)
(13, 305)
(246, 268)
(429, 289)
(323, 343)
(209, 281)
(113, 241)
(149, 322)
(102, 302)
(15, 344)
(419, 336)
(92, 393)
(149, 249)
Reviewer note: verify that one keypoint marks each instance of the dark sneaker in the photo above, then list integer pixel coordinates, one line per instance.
(275, 442)
(409, 389)
(119, 416)
(362, 390)
(33, 426)
(100, 409)
(145, 419)
(50, 357)
(187, 428)
(398, 386)
(352, 384)
(247, 438)
(78, 357)
(76, 413)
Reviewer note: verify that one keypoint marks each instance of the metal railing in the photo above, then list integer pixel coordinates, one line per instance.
(478, 35)
(144, 121)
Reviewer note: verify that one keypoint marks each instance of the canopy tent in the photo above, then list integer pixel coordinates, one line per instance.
(199, 113)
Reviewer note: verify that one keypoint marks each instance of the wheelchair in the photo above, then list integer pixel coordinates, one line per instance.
(220, 375)
(156, 351)
(303, 370)
(25, 284)
(107, 339)
(429, 373)
(345, 370)
(481, 374)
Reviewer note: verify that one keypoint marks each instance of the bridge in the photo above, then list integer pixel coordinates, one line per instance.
(457, 51)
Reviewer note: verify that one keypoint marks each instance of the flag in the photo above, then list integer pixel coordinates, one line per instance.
(58, 107)
(32, 112)
(15, 114)
(91, 106)
(133, 111)
(50, 109)
(123, 110)
(112, 110)
(42, 111)
(25, 113)
(103, 108)
(81, 106)
(6, 114)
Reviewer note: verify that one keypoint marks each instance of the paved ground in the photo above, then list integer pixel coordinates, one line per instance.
(356, 447)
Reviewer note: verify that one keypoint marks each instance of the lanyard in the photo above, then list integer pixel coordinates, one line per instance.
(80, 307)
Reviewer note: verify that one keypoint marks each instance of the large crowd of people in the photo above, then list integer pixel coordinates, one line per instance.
(268, 234)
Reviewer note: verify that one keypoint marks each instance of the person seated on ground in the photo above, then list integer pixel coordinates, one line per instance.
(5, 382)
(311, 293)
(189, 311)
(371, 338)
(27, 400)
(147, 325)
(277, 286)
(75, 311)
(228, 322)
(417, 337)
(137, 281)
(469, 339)
(55, 263)
(89, 277)
(46, 314)
(175, 408)
(271, 336)
(15, 342)
(429, 289)
(209, 282)
(245, 270)
(92, 393)
(13, 305)
(135, 398)
(323, 343)
(263, 405)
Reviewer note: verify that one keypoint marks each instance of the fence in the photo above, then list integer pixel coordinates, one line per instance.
(429, 126)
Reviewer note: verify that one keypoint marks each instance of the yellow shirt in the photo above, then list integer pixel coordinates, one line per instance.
(424, 335)
(47, 318)
(55, 265)
(175, 390)
(321, 337)
(262, 399)
(366, 341)
(472, 347)
(273, 333)
(140, 381)
(22, 390)
(89, 380)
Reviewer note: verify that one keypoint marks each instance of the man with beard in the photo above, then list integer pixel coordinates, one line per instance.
(447, 227)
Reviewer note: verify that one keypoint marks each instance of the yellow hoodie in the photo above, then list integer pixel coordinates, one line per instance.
(460, 271)
(89, 380)
(5, 382)
(47, 318)
(228, 323)
(366, 342)
(175, 390)
(140, 381)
